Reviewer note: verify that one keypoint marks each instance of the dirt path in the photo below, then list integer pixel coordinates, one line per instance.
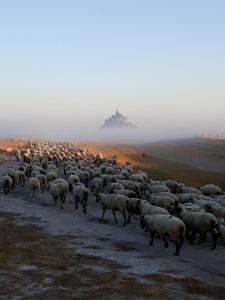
(124, 247)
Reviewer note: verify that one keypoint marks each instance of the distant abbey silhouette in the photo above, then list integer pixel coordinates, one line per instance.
(117, 121)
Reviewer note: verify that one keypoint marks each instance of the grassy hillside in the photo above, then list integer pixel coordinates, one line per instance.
(202, 153)
(161, 169)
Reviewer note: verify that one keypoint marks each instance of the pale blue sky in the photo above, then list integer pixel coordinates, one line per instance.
(67, 65)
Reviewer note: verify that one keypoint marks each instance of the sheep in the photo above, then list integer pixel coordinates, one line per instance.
(218, 212)
(58, 189)
(158, 188)
(166, 202)
(137, 178)
(114, 186)
(115, 202)
(115, 177)
(148, 209)
(206, 204)
(197, 222)
(131, 185)
(105, 180)
(172, 185)
(154, 182)
(134, 207)
(169, 194)
(127, 193)
(96, 185)
(51, 176)
(165, 225)
(191, 190)
(80, 195)
(43, 181)
(34, 186)
(84, 177)
(73, 179)
(21, 178)
(221, 201)
(109, 170)
(13, 174)
(7, 184)
(194, 207)
(211, 189)
(187, 197)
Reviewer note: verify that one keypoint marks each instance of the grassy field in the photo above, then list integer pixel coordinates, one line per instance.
(161, 169)
(193, 147)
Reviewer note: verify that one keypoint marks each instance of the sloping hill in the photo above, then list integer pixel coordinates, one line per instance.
(161, 169)
(202, 153)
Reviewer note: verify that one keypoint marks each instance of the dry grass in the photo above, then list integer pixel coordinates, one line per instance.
(55, 271)
(13, 143)
(161, 169)
(191, 286)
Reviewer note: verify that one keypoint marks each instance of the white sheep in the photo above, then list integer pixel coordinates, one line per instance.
(193, 207)
(169, 194)
(127, 193)
(73, 179)
(211, 189)
(197, 222)
(58, 189)
(172, 185)
(43, 181)
(158, 188)
(13, 174)
(21, 177)
(187, 197)
(51, 176)
(7, 184)
(96, 185)
(165, 225)
(34, 186)
(131, 185)
(114, 186)
(148, 209)
(80, 195)
(115, 202)
(191, 190)
(166, 202)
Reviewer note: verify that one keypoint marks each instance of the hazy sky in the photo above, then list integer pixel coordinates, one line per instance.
(66, 65)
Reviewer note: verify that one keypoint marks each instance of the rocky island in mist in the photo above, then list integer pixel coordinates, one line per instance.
(118, 121)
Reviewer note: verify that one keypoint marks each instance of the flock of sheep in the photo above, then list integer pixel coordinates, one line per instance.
(168, 209)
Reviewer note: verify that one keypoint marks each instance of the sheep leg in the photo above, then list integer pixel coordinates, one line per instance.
(124, 217)
(85, 206)
(103, 213)
(114, 214)
(129, 217)
(178, 246)
(76, 204)
(192, 237)
(214, 238)
(201, 239)
(134, 217)
(152, 238)
(166, 245)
